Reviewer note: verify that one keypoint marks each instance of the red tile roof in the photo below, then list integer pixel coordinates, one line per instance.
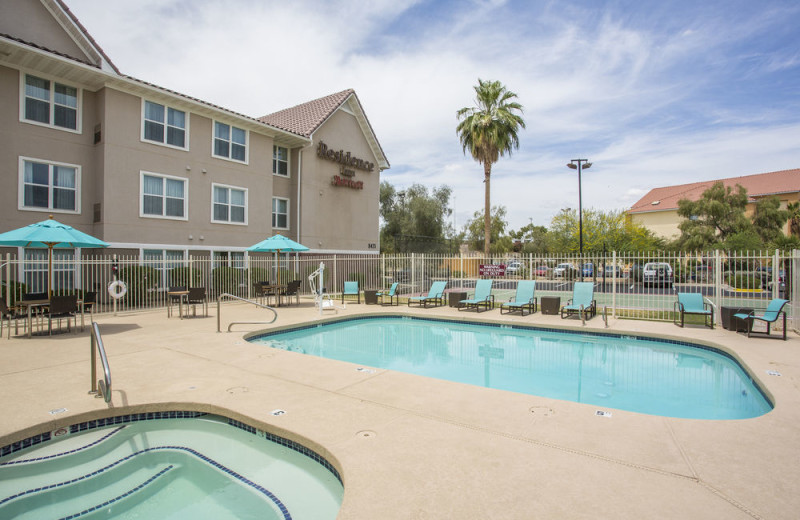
(303, 119)
(759, 185)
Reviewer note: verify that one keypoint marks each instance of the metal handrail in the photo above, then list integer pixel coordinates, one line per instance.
(104, 385)
(231, 324)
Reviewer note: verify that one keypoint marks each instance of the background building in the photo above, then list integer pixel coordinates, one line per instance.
(658, 210)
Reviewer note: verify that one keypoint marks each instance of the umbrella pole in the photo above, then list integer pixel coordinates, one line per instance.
(49, 270)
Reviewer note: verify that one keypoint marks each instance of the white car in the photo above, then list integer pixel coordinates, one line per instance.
(657, 273)
(514, 267)
(563, 269)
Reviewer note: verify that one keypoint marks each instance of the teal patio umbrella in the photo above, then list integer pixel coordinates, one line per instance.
(51, 234)
(276, 244)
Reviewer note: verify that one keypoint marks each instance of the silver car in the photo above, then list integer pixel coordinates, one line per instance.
(657, 273)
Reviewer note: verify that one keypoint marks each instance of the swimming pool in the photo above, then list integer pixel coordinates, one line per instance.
(640, 374)
(181, 465)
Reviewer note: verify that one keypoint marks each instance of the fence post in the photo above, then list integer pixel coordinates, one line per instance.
(776, 272)
(413, 274)
(717, 286)
(613, 284)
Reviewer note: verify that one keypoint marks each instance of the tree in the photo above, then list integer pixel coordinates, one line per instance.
(489, 131)
(717, 215)
(475, 232)
(794, 218)
(533, 238)
(769, 219)
(414, 214)
(601, 230)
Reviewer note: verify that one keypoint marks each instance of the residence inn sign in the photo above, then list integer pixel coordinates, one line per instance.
(348, 164)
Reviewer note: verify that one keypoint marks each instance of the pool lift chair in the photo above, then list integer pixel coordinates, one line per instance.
(322, 300)
(770, 315)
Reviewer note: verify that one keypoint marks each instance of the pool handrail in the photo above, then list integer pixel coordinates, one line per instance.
(103, 384)
(231, 324)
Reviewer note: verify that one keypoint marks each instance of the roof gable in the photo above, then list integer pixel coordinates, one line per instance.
(304, 119)
(758, 185)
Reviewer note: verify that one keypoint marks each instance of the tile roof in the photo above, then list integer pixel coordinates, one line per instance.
(758, 185)
(303, 119)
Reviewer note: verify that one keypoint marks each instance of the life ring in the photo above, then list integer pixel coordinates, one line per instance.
(117, 289)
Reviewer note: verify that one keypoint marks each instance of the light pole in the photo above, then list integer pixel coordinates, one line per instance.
(583, 164)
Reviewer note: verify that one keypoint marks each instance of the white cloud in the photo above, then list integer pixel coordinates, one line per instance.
(637, 99)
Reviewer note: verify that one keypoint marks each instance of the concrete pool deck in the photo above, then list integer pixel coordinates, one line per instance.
(410, 447)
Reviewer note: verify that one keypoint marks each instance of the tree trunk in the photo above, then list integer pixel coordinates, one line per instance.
(487, 212)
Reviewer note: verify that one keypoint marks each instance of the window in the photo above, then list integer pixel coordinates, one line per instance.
(49, 186)
(36, 270)
(233, 259)
(280, 213)
(229, 204)
(280, 160)
(164, 125)
(50, 103)
(165, 261)
(230, 142)
(163, 196)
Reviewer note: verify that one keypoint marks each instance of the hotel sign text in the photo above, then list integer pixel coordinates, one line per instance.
(348, 164)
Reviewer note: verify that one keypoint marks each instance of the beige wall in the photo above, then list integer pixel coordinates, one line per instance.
(39, 26)
(338, 218)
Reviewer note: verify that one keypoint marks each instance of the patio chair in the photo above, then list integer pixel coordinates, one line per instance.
(351, 289)
(692, 303)
(483, 297)
(292, 289)
(582, 301)
(771, 314)
(394, 298)
(62, 307)
(435, 296)
(7, 314)
(523, 299)
(258, 291)
(197, 296)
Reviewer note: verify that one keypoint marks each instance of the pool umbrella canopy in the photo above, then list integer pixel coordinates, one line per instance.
(276, 244)
(51, 234)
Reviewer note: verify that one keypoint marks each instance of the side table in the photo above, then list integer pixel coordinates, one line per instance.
(731, 323)
(370, 297)
(551, 304)
(454, 297)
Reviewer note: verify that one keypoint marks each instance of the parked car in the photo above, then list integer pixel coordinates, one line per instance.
(613, 270)
(657, 273)
(588, 269)
(541, 270)
(514, 267)
(565, 270)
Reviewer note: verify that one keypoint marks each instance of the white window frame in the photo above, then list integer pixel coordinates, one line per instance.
(166, 124)
(164, 263)
(52, 103)
(164, 177)
(214, 202)
(230, 142)
(49, 209)
(273, 213)
(275, 161)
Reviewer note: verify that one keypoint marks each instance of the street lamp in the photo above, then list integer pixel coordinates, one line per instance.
(583, 164)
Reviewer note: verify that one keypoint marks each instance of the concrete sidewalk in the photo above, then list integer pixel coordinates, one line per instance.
(413, 447)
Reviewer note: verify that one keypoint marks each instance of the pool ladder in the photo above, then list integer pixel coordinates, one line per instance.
(102, 387)
(231, 324)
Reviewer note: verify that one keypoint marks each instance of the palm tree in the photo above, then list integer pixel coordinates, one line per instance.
(794, 218)
(488, 131)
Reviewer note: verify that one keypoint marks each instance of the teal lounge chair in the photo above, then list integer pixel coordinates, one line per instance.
(435, 296)
(582, 301)
(483, 297)
(523, 299)
(774, 310)
(351, 289)
(692, 303)
(394, 298)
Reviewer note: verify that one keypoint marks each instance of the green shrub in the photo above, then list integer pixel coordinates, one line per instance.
(17, 290)
(260, 274)
(185, 277)
(744, 281)
(142, 281)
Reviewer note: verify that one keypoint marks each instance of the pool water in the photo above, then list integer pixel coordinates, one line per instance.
(167, 469)
(627, 373)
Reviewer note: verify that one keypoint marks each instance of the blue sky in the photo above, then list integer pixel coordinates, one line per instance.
(653, 93)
